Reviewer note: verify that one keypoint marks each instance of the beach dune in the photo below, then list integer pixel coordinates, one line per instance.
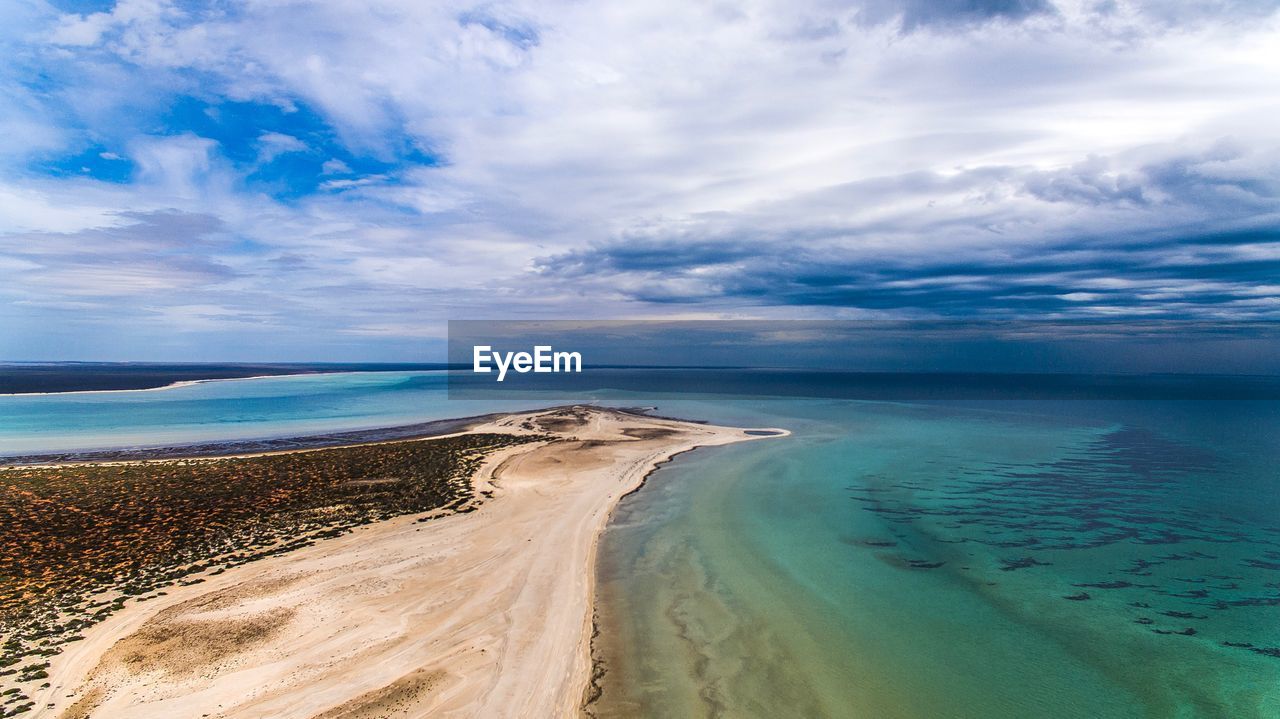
(478, 614)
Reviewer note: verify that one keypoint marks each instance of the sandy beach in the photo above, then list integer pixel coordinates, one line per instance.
(485, 613)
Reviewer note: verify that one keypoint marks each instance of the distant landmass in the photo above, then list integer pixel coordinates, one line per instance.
(34, 377)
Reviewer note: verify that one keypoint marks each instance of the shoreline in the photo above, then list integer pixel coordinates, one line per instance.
(192, 382)
(594, 688)
(171, 385)
(233, 448)
(487, 613)
(251, 447)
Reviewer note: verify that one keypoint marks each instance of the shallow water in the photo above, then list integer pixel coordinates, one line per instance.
(1019, 559)
(230, 409)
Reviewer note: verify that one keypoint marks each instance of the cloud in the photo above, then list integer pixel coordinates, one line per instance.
(819, 158)
(335, 166)
(116, 291)
(1086, 239)
(916, 14)
(274, 144)
(1087, 182)
(177, 167)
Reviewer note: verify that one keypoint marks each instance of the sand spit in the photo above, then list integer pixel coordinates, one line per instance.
(481, 614)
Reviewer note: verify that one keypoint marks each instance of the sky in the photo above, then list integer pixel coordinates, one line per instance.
(332, 181)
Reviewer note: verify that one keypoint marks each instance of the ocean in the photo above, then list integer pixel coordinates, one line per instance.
(1022, 558)
(1008, 559)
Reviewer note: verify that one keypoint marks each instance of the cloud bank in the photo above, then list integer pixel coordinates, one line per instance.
(332, 181)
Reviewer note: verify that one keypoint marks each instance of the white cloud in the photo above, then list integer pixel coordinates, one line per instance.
(274, 144)
(567, 127)
(80, 30)
(27, 207)
(177, 169)
(335, 166)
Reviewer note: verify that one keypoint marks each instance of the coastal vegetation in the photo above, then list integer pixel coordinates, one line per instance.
(79, 541)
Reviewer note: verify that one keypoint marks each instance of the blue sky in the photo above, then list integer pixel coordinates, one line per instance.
(333, 181)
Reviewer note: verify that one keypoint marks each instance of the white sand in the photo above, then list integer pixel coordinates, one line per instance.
(483, 614)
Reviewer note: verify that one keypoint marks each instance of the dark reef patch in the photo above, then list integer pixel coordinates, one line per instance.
(1128, 487)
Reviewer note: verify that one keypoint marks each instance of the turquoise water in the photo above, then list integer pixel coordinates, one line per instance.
(1015, 560)
(230, 409)
(1018, 559)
